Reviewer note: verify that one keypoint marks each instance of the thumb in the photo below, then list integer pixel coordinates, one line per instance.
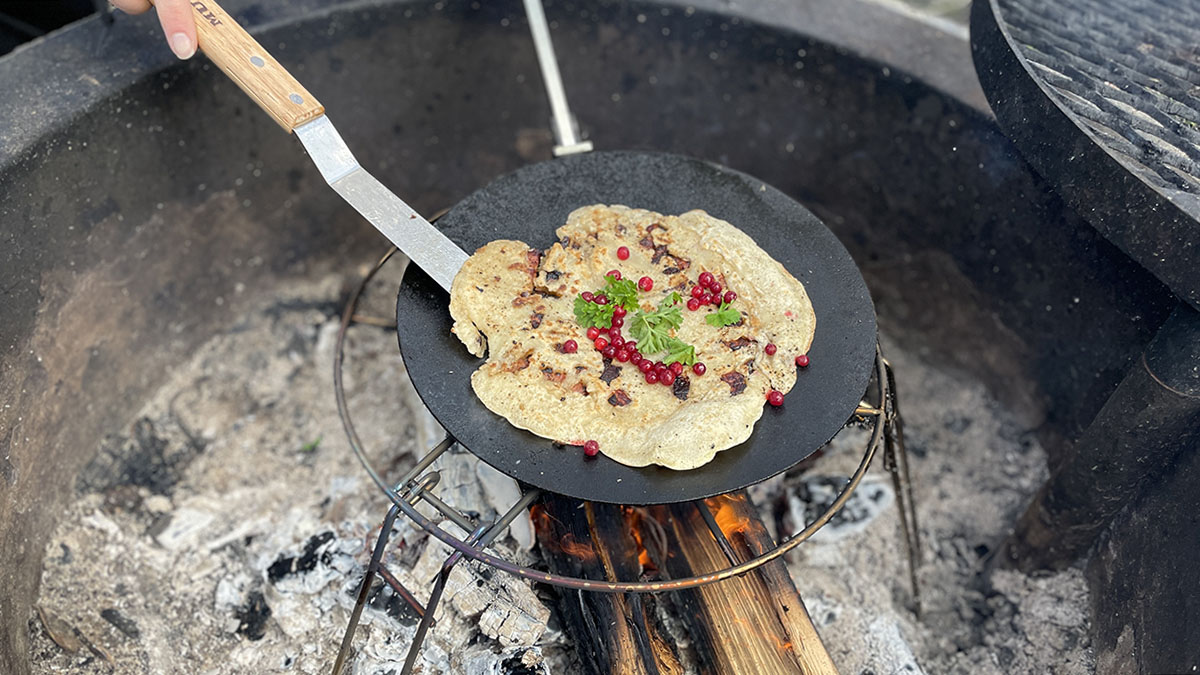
(178, 25)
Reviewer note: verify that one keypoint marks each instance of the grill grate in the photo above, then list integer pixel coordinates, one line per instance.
(1129, 70)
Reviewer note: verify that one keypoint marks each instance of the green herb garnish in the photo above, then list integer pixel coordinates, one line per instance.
(678, 350)
(724, 316)
(590, 314)
(619, 292)
(623, 292)
(652, 329)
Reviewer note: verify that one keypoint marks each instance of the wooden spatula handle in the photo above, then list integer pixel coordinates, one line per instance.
(252, 68)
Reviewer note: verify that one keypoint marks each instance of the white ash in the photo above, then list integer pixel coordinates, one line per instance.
(974, 468)
(272, 511)
(253, 503)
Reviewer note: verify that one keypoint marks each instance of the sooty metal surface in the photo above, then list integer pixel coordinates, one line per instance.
(529, 205)
(1129, 71)
(1103, 99)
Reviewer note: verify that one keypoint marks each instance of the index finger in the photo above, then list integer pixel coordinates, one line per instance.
(178, 25)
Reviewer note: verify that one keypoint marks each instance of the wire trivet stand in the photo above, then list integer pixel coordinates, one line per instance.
(418, 484)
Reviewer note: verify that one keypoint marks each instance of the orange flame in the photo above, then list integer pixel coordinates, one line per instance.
(634, 519)
(577, 549)
(728, 519)
(780, 644)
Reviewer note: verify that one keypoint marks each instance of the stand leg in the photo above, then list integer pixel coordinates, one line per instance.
(435, 597)
(895, 460)
(365, 589)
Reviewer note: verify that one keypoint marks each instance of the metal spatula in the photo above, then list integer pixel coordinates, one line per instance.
(295, 109)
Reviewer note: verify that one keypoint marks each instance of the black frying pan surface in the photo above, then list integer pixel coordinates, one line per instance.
(529, 205)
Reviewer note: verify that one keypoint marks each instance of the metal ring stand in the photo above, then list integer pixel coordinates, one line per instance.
(416, 485)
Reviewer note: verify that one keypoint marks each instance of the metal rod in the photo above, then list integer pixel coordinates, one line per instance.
(707, 514)
(564, 123)
(399, 589)
(509, 516)
(435, 597)
(896, 462)
(488, 535)
(365, 589)
(786, 545)
(410, 661)
(690, 582)
(437, 451)
(445, 509)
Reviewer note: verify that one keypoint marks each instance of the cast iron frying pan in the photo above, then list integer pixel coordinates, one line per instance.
(529, 205)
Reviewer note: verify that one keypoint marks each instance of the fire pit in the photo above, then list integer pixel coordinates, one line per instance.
(175, 491)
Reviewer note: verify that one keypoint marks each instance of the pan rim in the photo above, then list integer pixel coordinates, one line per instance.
(772, 200)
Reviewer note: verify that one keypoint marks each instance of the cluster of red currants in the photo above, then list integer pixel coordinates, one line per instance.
(708, 292)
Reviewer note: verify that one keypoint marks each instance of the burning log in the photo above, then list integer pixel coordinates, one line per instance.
(614, 633)
(753, 623)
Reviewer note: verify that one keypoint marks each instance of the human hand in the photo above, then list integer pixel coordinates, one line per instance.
(176, 19)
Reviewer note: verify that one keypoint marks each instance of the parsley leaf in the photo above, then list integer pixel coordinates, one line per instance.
(590, 314)
(623, 292)
(652, 329)
(678, 350)
(725, 316)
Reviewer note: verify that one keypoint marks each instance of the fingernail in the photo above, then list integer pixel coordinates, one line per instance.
(182, 45)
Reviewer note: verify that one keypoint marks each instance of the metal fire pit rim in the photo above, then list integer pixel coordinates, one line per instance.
(93, 63)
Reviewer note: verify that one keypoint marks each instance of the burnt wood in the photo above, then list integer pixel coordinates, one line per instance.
(612, 632)
(529, 204)
(755, 623)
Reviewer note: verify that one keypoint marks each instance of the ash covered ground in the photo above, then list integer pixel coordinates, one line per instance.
(224, 530)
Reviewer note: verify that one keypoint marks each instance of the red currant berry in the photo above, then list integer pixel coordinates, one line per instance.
(587, 296)
(609, 352)
(775, 398)
(593, 333)
(634, 357)
(715, 288)
(706, 279)
(697, 291)
(616, 274)
(693, 304)
(716, 300)
(646, 284)
(676, 367)
(646, 366)
(617, 321)
(570, 346)
(699, 369)
(623, 253)
(802, 360)
(600, 344)
(591, 448)
(652, 377)
(622, 356)
(619, 312)
(730, 296)
(770, 349)
(617, 341)
(630, 345)
(667, 377)
(706, 298)
(601, 299)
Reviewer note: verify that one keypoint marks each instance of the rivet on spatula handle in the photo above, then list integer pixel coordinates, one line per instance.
(245, 61)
